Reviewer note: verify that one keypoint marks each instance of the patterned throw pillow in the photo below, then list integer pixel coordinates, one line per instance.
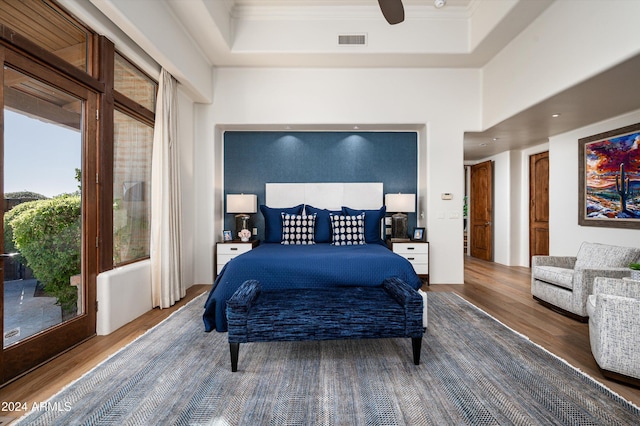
(298, 229)
(347, 230)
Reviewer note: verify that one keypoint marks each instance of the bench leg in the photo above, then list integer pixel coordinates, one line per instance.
(234, 348)
(416, 343)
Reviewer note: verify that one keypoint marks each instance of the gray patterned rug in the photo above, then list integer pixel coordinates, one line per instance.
(473, 371)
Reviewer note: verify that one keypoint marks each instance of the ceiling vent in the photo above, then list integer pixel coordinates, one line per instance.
(352, 39)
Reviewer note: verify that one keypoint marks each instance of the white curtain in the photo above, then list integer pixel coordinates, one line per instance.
(166, 280)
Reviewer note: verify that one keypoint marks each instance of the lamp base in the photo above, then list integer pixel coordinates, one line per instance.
(243, 221)
(399, 226)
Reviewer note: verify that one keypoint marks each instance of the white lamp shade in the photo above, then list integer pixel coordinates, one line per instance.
(242, 203)
(400, 203)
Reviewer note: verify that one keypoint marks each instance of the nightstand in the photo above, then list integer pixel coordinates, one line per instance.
(227, 250)
(416, 252)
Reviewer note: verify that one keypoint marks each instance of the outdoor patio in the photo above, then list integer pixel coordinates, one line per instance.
(24, 313)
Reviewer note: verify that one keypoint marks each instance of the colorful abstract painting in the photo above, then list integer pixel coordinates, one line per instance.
(611, 178)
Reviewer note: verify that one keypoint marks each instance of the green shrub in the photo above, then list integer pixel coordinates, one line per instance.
(48, 235)
(9, 244)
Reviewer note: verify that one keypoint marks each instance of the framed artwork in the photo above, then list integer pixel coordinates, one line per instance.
(609, 179)
(227, 235)
(418, 234)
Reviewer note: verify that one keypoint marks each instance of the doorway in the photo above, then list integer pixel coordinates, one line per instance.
(538, 205)
(481, 211)
(49, 218)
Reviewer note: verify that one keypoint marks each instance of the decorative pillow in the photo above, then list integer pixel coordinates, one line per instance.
(323, 223)
(273, 221)
(372, 223)
(347, 230)
(298, 229)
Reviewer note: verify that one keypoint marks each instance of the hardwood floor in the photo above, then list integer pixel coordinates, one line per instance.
(504, 292)
(501, 291)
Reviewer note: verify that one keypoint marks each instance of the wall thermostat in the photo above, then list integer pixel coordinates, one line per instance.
(447, 196)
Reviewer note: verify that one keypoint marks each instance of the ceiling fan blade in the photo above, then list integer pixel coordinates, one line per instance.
(392, 10)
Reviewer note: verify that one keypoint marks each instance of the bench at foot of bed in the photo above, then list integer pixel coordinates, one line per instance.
(393, 309)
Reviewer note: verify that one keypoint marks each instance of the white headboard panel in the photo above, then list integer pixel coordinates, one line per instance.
(332, 196)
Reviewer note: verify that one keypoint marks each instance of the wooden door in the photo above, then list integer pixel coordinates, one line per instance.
(48, 146)
(539, 205)
(481, 211)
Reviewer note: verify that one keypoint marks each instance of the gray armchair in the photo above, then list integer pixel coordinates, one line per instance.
(563, 283)
(614, 327)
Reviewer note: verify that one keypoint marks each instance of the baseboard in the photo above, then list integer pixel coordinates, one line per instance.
(560, 310)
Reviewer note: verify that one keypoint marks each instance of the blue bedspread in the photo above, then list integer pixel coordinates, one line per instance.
(279, 266)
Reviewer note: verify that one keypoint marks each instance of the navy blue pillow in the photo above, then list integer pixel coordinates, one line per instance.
(372, 224)
(273, 221)
(323, 222)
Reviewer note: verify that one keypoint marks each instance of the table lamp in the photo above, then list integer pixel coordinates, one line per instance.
(400, 204)
(244, 205)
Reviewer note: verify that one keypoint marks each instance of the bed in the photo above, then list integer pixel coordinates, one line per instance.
(323, 264)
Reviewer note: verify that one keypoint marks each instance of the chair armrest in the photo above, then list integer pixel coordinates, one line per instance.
(557, 261)
(614, 336)
(244, 296)
(617, 287)
(410, 300)
(400, 291)
(583, 278)
(237, 310)
(619, 314)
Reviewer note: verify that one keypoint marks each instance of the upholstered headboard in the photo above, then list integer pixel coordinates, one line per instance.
(332, 196)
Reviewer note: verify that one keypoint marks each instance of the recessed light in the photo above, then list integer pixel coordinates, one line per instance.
(287, 127)
(556, 115)
(355, 127)
(483, 144)
(495, 139)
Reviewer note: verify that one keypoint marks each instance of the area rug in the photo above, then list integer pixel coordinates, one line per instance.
(473, 370)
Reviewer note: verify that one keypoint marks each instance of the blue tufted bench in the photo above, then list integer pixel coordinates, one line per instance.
(393, 309)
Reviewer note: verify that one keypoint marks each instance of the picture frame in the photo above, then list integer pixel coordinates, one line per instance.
(418, 234)
(227, 236)
(609, 179)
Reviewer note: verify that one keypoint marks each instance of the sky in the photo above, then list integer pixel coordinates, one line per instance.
(39, 157)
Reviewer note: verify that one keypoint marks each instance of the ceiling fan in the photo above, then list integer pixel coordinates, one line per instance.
(393, 10)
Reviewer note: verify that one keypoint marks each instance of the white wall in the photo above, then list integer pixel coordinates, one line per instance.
(571, 41)
(440, 103)
(502, 214)
(187, 195)
(207, 183)
(123, 294)
(565, 233)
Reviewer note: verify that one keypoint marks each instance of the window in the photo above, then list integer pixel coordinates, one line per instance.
(134, 84)
(133, 142)
(47, 26)
(132, 148)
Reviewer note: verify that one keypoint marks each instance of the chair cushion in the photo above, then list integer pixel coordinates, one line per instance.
(598, 256)
(562, 277)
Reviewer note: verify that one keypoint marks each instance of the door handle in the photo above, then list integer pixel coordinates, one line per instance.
(487, 223)
(8, 255)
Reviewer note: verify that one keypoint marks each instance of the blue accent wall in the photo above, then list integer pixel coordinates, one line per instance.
(252, 159)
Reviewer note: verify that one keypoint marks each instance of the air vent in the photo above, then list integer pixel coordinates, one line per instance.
(352, 39)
